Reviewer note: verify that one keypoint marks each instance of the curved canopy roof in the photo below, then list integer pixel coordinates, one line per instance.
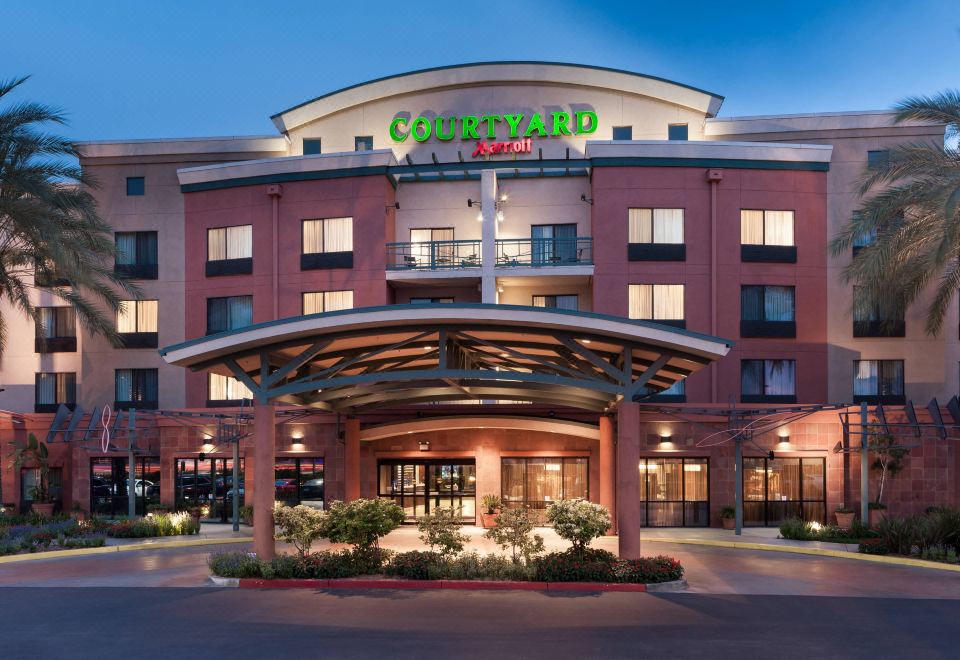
(490, 73)
(370, 357)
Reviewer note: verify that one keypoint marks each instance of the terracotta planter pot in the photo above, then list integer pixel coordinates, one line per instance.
(44, 509)
(729, 523)
(845, 520)
(876, 515)
(488, 520)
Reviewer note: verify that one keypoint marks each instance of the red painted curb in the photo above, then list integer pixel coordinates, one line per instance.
(472, 585)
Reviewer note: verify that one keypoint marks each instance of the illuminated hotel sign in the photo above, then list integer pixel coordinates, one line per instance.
(484, 127)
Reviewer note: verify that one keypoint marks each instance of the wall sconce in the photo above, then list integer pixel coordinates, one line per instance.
(474, 202)
(424, 445)
(665, 439)
(297, 446)
(588, 200)
(296, 433)
(207, 448)
(395, 205)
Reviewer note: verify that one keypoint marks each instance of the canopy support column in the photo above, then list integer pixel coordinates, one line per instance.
(264, 441)
(628, 479)
(608, 470)
(351, 460)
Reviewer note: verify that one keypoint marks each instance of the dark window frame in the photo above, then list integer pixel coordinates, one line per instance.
(227, 315)
(313, 142)
(365, 140)
(136, 186)
(621, 130)
(766, 488)
(764, 328)
(57, 343)
(768, 398)
(645, 483)
(674, 133)
(135, 387)
(878, 398)
(143, 267)
(70, 387)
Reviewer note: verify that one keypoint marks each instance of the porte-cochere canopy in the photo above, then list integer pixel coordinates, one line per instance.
(357, 359)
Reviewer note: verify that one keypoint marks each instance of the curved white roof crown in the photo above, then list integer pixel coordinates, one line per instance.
(487, 73)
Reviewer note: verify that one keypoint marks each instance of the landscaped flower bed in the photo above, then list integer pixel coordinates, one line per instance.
(34, 534)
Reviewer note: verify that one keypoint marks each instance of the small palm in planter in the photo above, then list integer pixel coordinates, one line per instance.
(34, 453)
(490, 506)
(845, 516)
(728, 517)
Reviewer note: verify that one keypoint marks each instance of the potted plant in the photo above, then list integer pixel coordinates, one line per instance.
(845, 516)
(490, 506)
(728, 517)
(35, 453)
(877, 512)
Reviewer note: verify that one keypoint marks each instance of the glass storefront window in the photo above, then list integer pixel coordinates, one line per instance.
(536, 482)
(109, 486)
(207, 482)
(422, 486)
(777, 489)
(675, 492)
(299, 481)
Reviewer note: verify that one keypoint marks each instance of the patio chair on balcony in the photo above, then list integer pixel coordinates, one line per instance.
(409, 261)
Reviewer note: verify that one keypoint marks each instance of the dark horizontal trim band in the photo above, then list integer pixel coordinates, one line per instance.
(734, 163)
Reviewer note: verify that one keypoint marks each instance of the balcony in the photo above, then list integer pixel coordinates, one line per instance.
(544, 252)
(433, 255)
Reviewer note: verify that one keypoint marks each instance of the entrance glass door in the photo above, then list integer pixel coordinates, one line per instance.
(423, 486)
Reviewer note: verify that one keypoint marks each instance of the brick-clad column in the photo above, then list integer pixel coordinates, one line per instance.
(264, 440)
(351, 460)
(628, 479)
(608, 470)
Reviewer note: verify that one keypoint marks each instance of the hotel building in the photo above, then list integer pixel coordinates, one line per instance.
(517, 278)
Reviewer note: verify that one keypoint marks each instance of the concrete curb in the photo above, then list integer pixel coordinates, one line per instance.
(428, 585)
(106, 549)
(818, 552)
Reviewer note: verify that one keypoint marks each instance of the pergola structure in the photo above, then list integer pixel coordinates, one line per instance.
(360, 359)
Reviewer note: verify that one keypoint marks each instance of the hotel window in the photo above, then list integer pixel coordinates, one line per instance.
(230, 313)
(878, 381)
(677, 132)
(53, 389)
(655, 235)
(767, 236)
(317, 302)
(135, 388)
(137, 323)
(537, 482)
(363, 143)
(327, 243)
(299, 481)
(135, 186)
(230, 250)
(46, 274)
(767, 311)
(871, 321)
(864, 240)
(225, 390)
(136, 254)
(432, 248)
(557, 302)
(778, 489)
(662, 303)
(674, 492)
(556, 245)
(56, 330)
(771, 381)
(623, 132)
(430, 301)
(877, 159)
(311, 146)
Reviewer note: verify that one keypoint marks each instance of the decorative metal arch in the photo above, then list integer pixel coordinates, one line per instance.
(352, 360)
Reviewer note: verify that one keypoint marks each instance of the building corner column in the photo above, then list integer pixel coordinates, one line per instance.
(351, 460)
(608, 470)
(628, 479)
(264, 447)
(488, 236)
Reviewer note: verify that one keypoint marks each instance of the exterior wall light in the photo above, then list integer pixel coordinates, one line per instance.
(665, 439)
(424, 445)
(297, 446)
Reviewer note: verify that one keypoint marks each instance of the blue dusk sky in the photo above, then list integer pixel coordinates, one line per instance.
(194, 68)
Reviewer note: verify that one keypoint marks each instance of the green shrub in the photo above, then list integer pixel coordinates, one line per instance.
(299, 525)
(795, 530)
(362, 523)
(235, 565)
(648, 570)
(728, 512)
(874, 546)
(899, 534)
(441, 530)
(579, 522)
(83, 542)
(10, 547)
(514, 531)
(415, 565)
(588, 565)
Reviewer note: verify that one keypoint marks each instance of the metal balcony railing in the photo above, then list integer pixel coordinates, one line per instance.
(433, 255)
(540, 252)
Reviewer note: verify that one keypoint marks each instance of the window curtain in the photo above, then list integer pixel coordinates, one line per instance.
(216, 315)
(668, 302)
(338, 235)
(565, 237)
(147, 247)
(240, 312)
(865, 377)
(779, 377)
(216, 387)
(336, 300)
(891, 377)
(144, 385)
(46, 388)
(778, 227)
(123, 385)
(641, 301)
(751, 377)
(312, 236)
(751, 227)
(866, 239)
(66, 388)
(557, 302)
(47, 323)
(640, 225)
(126, 248)
(575, 478)
(313, 303)
(695, 480)
(513, 479)
(668, 225)
(446, 251)
(147, 315)
(216, 244)
(127, 317)
(240, 242)
(751, 303)
(778, 303)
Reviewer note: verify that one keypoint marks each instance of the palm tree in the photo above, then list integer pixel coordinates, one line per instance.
(49, 225)
(913, 214)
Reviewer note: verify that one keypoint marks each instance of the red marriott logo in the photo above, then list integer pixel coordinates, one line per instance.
(484, 148)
